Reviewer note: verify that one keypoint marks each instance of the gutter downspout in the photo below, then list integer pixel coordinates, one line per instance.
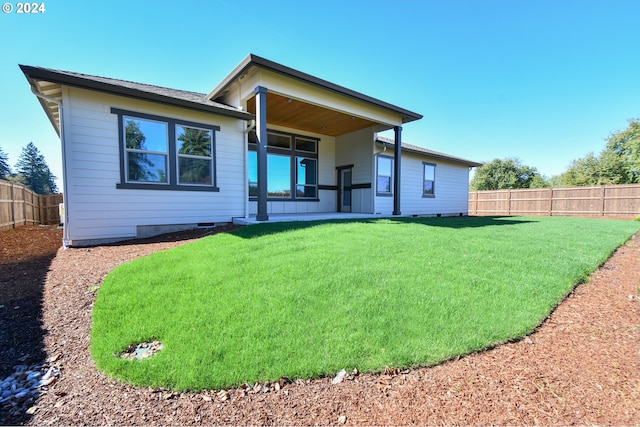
(65, 192)
(251, 127)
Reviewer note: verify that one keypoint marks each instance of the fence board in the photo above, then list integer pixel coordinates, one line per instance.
(21, 206)
(622, 201)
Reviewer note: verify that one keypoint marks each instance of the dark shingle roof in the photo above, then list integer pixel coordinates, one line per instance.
(430, 153)
(182, 98)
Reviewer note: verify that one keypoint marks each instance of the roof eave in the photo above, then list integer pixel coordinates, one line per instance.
(435, 155)
(35, 73)
(254, 60)
(43, 103)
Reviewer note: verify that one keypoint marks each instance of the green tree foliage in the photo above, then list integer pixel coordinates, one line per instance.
(504, 174)
(139, 164)
(195, 142)
(5, 169)
(35, 171)
(618, 163)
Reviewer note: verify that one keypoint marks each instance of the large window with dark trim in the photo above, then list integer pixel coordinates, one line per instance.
(429, 180)
(384, 181)
(292, 166)
(146, 150)
(163, 153)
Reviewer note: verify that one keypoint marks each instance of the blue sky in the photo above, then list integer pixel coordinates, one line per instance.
(543, 81)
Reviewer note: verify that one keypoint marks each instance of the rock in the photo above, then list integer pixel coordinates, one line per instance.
(339, 378)
(342, 419)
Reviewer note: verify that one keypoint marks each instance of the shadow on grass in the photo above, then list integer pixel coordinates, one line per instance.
(259, 230)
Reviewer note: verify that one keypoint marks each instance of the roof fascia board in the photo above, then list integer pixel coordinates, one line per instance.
(435, 155)
(257, 61)
(34, 73)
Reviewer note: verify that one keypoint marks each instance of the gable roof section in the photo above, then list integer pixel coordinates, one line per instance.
(425, 152)
(175, 97)
(252, 60)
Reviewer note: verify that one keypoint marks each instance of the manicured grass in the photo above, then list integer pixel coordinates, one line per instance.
(308, 299)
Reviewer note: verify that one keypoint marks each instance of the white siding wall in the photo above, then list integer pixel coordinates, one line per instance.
(356, 148)
(451, 188)
(98, 211)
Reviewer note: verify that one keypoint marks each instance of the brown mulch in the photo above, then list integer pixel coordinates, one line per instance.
(582, 366)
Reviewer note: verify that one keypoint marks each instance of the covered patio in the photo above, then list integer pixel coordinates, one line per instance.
(310, 217)
(286, 100)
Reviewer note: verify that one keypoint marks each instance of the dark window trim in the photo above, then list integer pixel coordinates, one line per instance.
(426, 195)
(363, 186)
(293, 155)
(384, 193)
(172, 167)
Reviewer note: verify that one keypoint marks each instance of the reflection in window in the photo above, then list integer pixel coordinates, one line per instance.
(146, 150)
(278, 176)
(278, 140)
(308, 145)
(385, 166)
(195, 160)
(429, 179)
(306, 171)
(288, 175)
(253, 173)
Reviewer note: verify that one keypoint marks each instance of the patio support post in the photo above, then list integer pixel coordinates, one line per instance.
(396, 169)
(261, 133)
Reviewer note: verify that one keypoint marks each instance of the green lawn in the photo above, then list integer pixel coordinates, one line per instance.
(309, 299)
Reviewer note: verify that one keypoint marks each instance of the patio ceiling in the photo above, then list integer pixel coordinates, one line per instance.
(300, 115)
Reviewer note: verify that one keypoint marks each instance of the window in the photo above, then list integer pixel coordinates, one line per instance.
(428, 188)
(253, 173)
(306, 170)
(195, 155)
(384, 182)
(278, 176)
(162, 153)
(292, 166)
(146, 150)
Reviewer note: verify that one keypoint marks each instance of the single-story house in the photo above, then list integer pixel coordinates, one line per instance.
(140, 160)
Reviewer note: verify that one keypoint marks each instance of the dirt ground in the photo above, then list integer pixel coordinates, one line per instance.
(582, 366)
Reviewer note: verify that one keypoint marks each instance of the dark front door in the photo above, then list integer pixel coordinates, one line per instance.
(344, 193)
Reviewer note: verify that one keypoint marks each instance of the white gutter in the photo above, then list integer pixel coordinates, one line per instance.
(65, 192)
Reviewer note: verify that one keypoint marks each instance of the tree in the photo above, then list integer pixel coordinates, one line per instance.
(194, 142)
(5, 170)
(618, 163)
(140, 165)
(504, 174)
(35, 171)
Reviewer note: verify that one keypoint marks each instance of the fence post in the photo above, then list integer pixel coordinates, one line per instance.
(509, 202)
(475, 207)
(602, 200)
(34, 197)
(550, 211)
(13, 207)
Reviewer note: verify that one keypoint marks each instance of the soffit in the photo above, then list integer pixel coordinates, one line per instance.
(50, 90)
(300, 115)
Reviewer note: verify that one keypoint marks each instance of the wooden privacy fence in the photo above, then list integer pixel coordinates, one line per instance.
(21, 206)
(620, 201)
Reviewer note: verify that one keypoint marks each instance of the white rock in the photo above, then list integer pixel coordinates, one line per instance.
(339, 378)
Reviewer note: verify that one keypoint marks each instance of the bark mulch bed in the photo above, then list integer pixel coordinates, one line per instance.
(582, 366)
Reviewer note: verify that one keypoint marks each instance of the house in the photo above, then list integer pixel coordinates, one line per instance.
(140, 160)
